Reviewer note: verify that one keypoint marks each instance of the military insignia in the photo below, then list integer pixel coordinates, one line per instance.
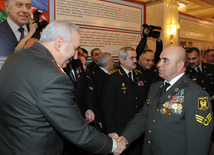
(91, 88)
(205, 121)
(61, 69)
(168, 112)
(123, 84)
(163, 111)
(124, 88)
(140, 83)
(203, 103)
(161, 86)
(176, 89)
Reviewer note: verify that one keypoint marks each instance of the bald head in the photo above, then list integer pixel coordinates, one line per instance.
(172, 62)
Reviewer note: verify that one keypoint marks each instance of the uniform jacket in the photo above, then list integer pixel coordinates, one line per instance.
(82, 93)
(206, 79)
(149, 76)
(37, 107)
(175, 122)
(121, 100)
(99, 78)
(91, 66)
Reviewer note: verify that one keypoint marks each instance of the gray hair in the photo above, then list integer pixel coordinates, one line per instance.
(123, 52)
(60, 28)
(103, 59)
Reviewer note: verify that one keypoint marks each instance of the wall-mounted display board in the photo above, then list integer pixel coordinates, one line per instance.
(105, 24)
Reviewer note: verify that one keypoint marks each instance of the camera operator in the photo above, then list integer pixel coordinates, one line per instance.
(148, 32)
(147, 59)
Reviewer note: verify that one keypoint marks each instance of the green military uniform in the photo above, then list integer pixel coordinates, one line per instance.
(175, 122)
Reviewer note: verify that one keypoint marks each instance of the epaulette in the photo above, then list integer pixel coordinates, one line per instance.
(113, 71)
(137, 71)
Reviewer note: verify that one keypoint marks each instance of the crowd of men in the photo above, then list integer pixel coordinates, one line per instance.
(53, 102)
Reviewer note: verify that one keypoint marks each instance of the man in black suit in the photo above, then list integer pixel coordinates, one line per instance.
(37, 101)
(94, 56)
(123, 96)
(105, 64)
(19, 14)
(148, 68)
(200, 72)
(177, 117)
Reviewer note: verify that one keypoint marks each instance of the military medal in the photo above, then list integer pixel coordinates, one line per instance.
(163, 111)
(168, 112)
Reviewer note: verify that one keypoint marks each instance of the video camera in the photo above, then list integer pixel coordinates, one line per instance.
(36, 16)
(154, 30)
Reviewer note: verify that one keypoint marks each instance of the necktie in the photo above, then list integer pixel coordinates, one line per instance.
(198, 69)
(72, 76)
(166, 85)
(130, 76)
(21, 30)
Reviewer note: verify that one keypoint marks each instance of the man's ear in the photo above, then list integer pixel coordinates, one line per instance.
(7, 6)
(180, 66)
(58, 43)
(121, 59)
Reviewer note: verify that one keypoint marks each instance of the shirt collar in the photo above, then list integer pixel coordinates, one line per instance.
(174, 80)
(104, 70)
(14, 26)
(126, 71)
(200, 66)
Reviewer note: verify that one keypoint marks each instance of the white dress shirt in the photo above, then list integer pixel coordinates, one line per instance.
(15, 28)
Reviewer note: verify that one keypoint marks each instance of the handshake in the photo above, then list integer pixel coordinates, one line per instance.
(121, 143)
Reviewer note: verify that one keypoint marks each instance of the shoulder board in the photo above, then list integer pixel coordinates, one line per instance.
(137, 71)
(113, 71)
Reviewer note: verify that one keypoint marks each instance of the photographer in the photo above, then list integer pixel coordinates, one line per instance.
(21, 44)
(148, 31)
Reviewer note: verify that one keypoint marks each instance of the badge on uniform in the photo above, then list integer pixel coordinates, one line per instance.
(124, 88)
(204, 120)
(203, 103)
(175, 105)
(140, 83)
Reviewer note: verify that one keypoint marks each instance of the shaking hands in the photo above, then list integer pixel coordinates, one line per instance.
(121, 143)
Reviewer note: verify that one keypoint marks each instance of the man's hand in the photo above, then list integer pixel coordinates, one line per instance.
(113, 135)
(89, 114)
(121, 146)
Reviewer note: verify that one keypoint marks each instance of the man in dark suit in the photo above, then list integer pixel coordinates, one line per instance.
(200, 72)
(94, 56)
(123, 96)
(14, 28)
(105, 64)
(148, 68)
(176, 119)
(37, 101)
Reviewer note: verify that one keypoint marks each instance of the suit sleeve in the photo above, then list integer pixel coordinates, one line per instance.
(57, 104)
(137, 126)
(198, 123)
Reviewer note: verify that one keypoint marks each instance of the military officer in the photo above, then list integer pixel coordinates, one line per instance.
(123, 96)
(176, 120)
(200, 72)
(94, 56)
(147, 67)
